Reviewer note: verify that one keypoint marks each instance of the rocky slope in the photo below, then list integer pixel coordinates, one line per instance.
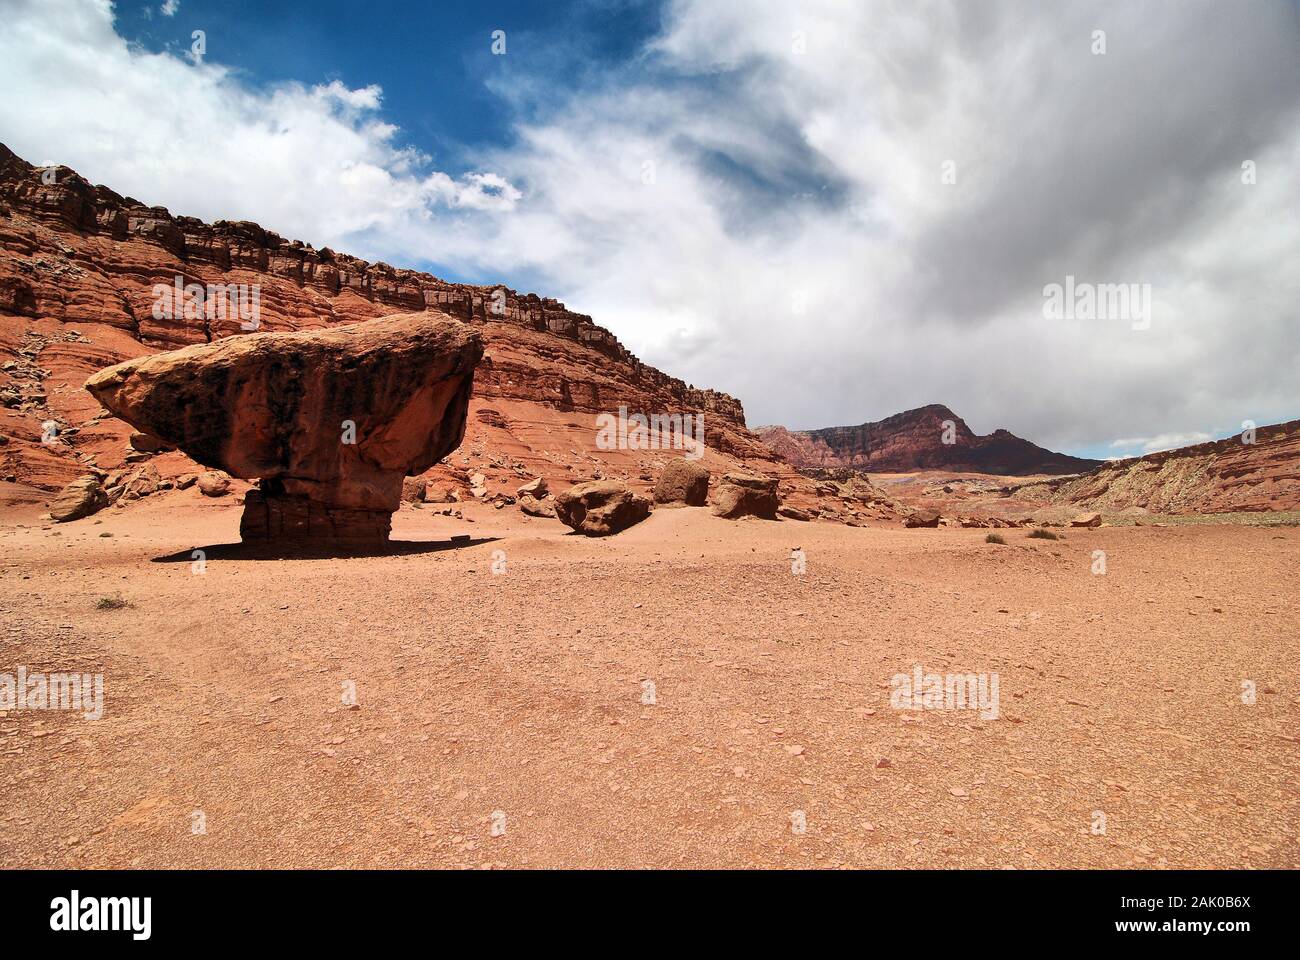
(83, 271)
(1221, 477)
(914, 440)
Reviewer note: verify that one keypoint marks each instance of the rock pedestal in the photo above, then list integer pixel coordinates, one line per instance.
(330, 421)
(280, 517)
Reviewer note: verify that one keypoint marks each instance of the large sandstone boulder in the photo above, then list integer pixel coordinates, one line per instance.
(598, 508)
(330, 421)
(80, 498)
(1086, 520)
(683, 482)
(746, 495)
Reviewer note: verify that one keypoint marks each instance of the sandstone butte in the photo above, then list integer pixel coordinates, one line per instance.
(79, 265)
(330, 421)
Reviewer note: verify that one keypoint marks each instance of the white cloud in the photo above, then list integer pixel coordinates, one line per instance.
(312, 162)
(778, 178)
(1165, 441)
(169, 7)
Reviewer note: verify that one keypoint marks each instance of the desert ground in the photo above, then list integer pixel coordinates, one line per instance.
(511, 703)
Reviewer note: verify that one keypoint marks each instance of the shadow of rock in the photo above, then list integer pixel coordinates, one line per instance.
(264, 550)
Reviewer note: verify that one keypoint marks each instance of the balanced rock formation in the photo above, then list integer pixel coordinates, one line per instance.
(90, 278)
(330, 421)
(683, 483)
(599, 508)
(746, 495)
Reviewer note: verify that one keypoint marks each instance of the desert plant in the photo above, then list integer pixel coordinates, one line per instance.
(111, 603)
(1041, 534)
(995, 538)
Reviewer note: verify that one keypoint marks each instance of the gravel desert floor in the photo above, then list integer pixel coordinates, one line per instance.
(675, 696)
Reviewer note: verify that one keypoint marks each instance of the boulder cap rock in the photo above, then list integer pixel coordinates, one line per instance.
(278, 406)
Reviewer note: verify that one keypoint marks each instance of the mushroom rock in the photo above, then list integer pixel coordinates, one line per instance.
(330, 421)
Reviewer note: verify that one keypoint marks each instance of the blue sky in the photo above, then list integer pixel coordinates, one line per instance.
(754, 197)
(442, 86)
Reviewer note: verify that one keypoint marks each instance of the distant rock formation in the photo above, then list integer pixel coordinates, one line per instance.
(915, 440)
(1225, 476)
(330, 421)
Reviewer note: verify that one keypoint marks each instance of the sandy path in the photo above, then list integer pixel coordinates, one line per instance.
(521, 693)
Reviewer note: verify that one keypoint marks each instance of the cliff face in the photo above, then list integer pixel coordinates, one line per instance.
(914, 440)
(1221, 477)
(84, 271)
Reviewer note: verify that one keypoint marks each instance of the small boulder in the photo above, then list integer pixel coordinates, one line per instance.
(683, 483)
(214, 483)
(141, 482)
(1086, 520)
(537, 508)
(599, 508)
(440, 494)
(413, 489)
(533, 488)
(922, 518)
(80, 498)
(746, 495)
(148, 443)
(794, 513)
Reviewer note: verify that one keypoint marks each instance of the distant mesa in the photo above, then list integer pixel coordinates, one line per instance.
(914, 440)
